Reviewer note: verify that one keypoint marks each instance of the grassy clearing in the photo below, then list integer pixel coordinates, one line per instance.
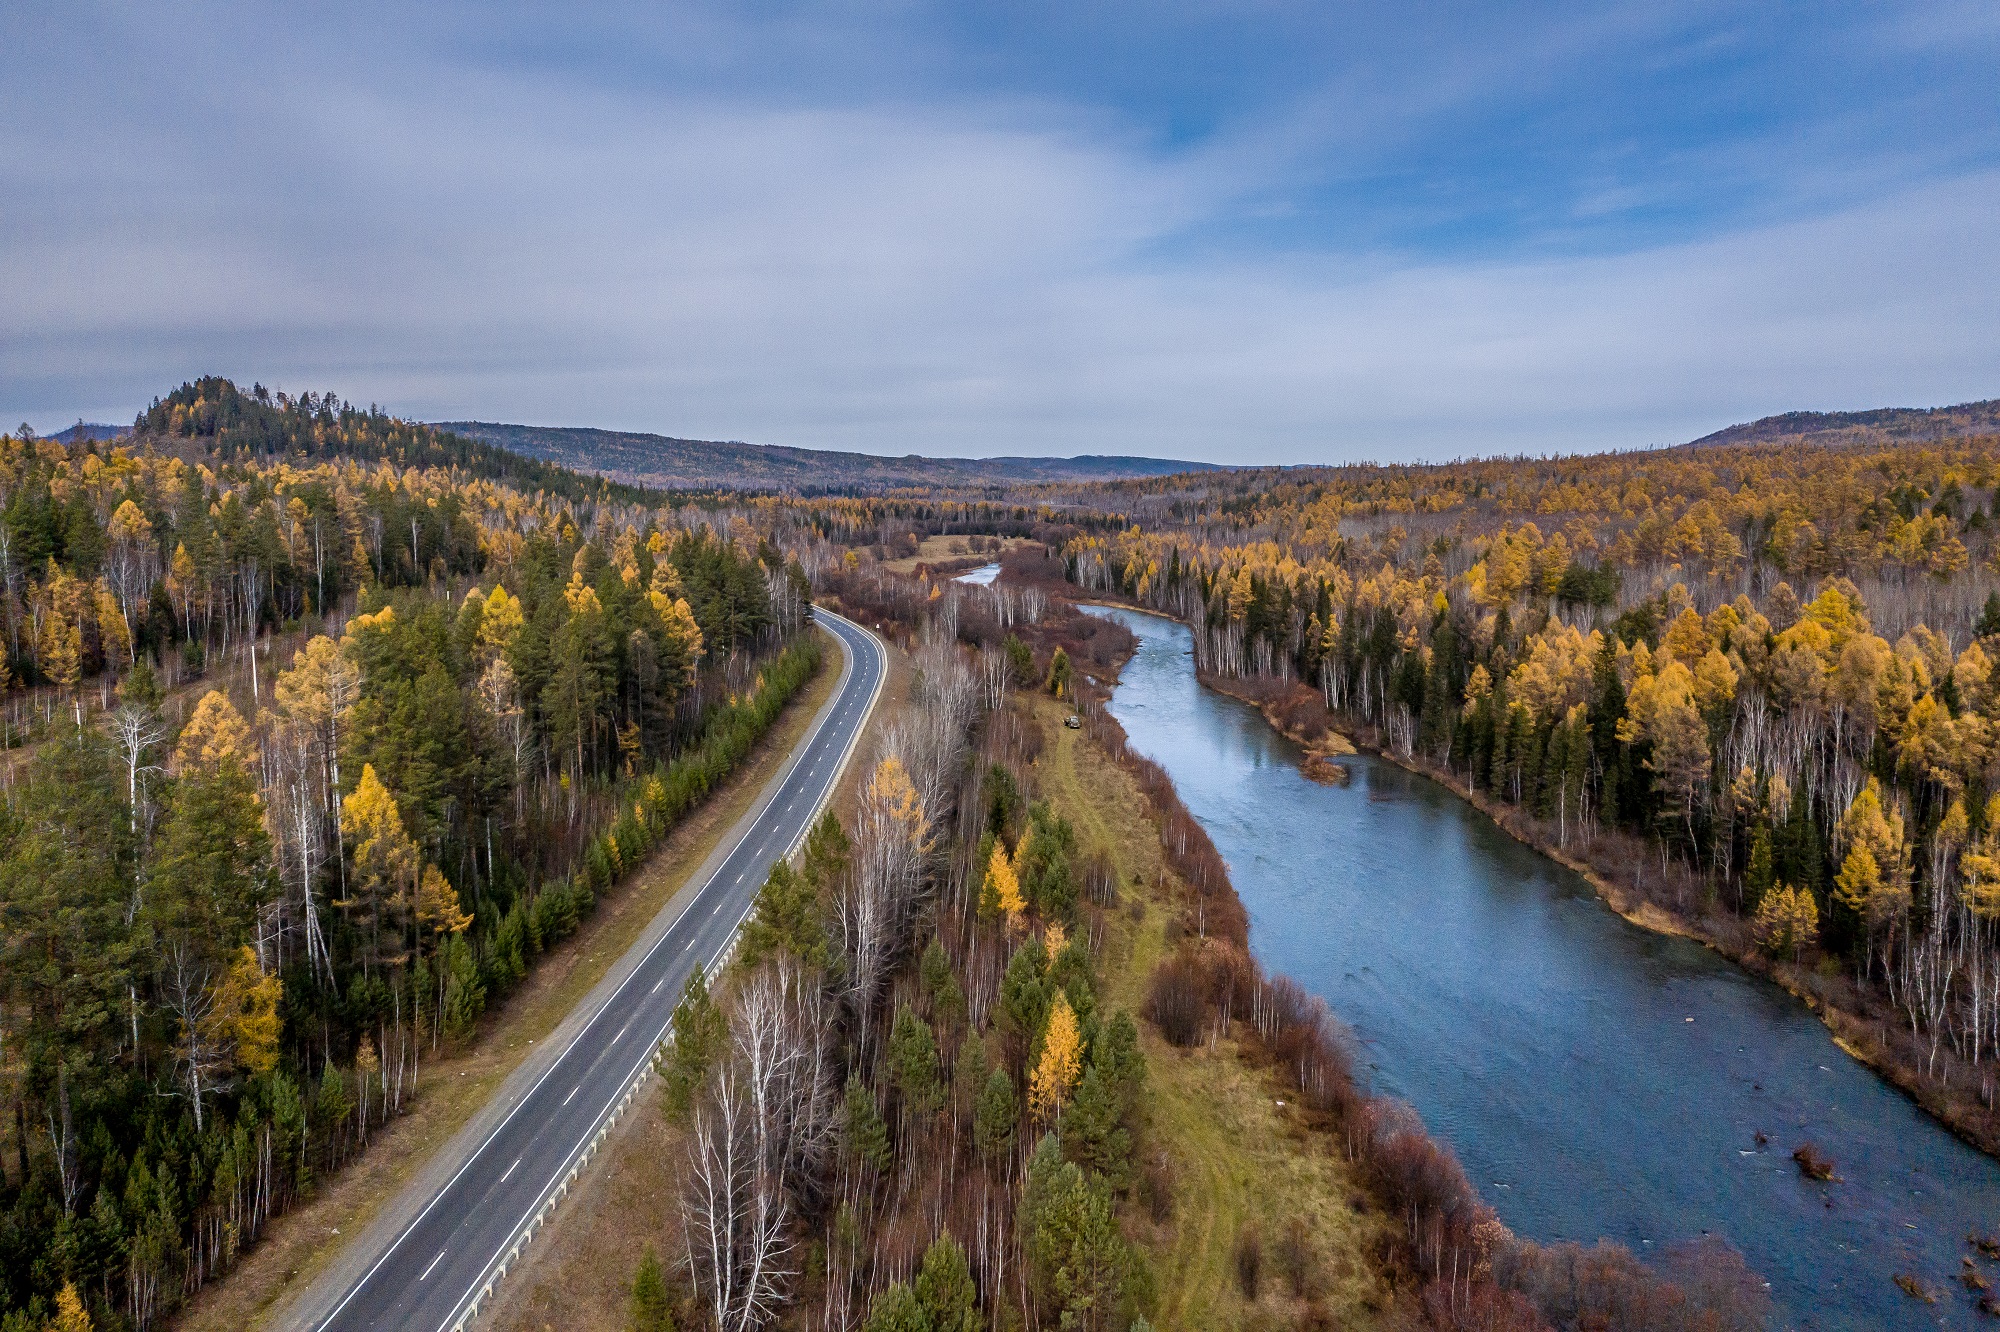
(301, 1244)
(950, 549)
(1238, 1156)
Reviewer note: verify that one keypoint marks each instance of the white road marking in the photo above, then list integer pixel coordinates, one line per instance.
(510, 1170)
(572, 1093)
(621, 1033)
(434, 1262)
(658, 983)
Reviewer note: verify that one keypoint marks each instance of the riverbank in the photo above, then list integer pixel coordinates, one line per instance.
(1240, 1154)
(1615, 866)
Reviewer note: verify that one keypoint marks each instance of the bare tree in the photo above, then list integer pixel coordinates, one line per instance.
(735, 1221)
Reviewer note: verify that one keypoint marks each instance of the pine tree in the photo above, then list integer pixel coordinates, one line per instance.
(913, 1062)
(865, 1133)
(897, 1309)
(699, 1032)
(945, 1289)
(786, 920)
(1024, 1000)
(1759, 875)
(968, 1074)
(996, 1116)
(652, 1306)
(464, 992)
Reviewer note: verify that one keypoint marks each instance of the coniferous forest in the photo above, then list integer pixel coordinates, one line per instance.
(320, 728)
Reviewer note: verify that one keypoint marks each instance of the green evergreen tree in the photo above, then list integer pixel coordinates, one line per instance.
(699, 1032)
(1759, 875)
(786, 920)
(1093, 1129)
(1024, 1000)
(913, 1063)
(464, 993)
(897, 1309)
(652, 1305)
(995, 1117)
(865, 1133)
(945, 1289)
(968, 1074)
(827, 854)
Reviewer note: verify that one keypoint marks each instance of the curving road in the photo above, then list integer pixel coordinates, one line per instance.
(432, 1259)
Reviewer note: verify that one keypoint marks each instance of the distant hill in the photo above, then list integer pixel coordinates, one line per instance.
(83, 430)
(658, 460)
(1883, 425)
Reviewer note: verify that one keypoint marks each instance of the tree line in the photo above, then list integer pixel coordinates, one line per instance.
(1724, 655)
(245, 896)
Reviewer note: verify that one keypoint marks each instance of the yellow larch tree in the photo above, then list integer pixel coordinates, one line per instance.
(1061, 1065)
(385, 864)
(1006, 885)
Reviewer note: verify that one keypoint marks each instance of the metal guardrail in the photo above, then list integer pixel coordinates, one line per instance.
(647, 1066)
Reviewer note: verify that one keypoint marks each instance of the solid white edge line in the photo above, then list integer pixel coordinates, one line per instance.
(881, 655)
(846, 674)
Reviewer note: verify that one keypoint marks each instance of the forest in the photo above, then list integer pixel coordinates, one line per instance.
(913, 1103)
(322, 726)
(1755, 681)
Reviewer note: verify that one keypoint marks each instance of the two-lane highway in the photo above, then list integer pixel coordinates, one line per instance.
(429, 1262)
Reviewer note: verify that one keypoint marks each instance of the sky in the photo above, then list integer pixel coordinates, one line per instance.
(1260, 232)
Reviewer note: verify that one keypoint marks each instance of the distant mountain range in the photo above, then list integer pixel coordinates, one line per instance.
(83, 430)
(1883, 425)
(658, 460)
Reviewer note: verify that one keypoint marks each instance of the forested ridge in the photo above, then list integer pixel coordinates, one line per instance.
(1776, 664)
(246, 894)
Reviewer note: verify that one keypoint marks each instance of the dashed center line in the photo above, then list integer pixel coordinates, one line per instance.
(621, 1033)
(572, 1093)
(434, 1262)
(510, 1170)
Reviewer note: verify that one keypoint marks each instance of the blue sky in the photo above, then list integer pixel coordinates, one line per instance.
(1249, 233)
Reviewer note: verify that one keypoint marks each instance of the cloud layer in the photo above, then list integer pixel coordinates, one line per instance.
(640, 228)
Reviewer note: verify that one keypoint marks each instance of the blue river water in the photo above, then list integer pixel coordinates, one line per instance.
(1596, 1079)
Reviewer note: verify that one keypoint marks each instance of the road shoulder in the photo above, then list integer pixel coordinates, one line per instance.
(465, 1093)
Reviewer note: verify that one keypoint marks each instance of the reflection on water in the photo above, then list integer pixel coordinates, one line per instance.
(1595, 1078)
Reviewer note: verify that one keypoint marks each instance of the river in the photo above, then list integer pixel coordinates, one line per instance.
(1595, 1078)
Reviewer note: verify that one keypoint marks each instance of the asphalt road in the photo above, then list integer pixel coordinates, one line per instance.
(427, 1262)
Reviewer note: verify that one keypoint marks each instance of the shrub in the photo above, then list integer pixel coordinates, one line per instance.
(1174, 1001)
(1249, 1257)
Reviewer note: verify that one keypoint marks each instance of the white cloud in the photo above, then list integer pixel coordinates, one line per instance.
(966, 278)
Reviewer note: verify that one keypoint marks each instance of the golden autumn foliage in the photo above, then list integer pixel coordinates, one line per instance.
(438, 909)
(215, 736)
(1061, 1064)
(1787, 921)
(244, 1015)
(70, 1313)
(891, 795)
(1006, 885)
